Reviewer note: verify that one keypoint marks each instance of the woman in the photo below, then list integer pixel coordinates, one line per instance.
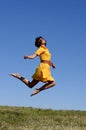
(42, 72)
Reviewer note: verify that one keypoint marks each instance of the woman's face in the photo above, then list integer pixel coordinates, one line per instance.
(42, 40)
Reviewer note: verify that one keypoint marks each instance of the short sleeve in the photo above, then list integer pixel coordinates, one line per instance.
(39, 51)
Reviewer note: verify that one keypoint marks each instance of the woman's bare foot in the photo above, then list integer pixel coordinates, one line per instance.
(35, 92)
(16, 75)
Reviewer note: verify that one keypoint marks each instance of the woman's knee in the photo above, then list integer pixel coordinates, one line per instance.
(33, 83)
(53, 83)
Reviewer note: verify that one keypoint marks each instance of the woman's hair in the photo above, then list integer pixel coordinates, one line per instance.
(38, 41)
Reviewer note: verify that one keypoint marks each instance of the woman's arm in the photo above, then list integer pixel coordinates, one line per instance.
(30, 57)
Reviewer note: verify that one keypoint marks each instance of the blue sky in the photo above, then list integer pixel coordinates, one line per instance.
(63, 24)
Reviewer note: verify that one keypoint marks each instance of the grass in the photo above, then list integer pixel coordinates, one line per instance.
(27, 118)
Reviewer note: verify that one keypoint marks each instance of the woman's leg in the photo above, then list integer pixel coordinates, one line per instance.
(25, 81)
(45, 86)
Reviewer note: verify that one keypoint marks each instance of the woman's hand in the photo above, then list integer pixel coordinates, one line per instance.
(26, 57)
(53, 66)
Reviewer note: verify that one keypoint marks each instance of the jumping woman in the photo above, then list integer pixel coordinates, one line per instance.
(42, 72)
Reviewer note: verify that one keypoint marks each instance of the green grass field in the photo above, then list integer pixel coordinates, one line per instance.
(27, 118)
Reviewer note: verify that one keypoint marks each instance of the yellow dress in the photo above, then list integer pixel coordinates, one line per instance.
(43, 72)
